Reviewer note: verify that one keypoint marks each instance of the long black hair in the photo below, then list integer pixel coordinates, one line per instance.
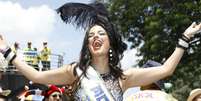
(116, 45)
(86, 16)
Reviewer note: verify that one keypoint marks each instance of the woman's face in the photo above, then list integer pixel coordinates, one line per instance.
(55, 96)
(98, 41)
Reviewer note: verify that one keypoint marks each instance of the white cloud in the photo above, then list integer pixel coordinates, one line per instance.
(41, 23)
(37, 24)
(31, 24)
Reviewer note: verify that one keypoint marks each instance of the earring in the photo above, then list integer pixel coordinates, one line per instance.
(110, 54)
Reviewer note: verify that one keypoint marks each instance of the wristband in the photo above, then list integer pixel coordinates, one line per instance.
(8, 54)
(185, 38)
(182, 44)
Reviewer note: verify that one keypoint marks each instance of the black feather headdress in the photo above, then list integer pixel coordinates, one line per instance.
(83, 15)
(87, 15)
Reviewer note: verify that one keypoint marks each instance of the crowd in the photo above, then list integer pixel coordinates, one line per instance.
(51, 93)
(32, 56)
(34, 92)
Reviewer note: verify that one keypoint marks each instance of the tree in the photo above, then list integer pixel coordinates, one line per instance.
(155, 26)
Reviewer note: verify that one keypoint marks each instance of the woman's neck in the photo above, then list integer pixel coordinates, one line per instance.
(101, 64)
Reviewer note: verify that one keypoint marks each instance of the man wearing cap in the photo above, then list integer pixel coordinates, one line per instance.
(151, 92)
(54, 93)
(45, 56)
(28, 54)
(158, 85)
(195, 95)
(15, 47)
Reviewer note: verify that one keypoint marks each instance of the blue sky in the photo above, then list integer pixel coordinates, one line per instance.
(37, 21)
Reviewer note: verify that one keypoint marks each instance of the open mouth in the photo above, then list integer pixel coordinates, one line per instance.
(96, 44)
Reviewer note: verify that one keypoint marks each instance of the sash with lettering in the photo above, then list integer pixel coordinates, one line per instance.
(93, 86)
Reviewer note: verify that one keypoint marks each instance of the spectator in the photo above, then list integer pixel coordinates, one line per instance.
(54, 93)
(45, 56)
(195, 95)
(158, 85)
(28, 54)
(31, 92)
(36, 59)
(15, 47)
(152, 91)
(4, 93)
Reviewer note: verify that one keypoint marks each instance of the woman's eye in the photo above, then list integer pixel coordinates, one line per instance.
(101, 33)
(90, 34)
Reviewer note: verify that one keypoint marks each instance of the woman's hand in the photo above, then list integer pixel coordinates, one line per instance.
(192, 30)
(3, 44)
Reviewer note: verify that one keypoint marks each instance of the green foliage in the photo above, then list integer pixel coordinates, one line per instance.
(158, 24)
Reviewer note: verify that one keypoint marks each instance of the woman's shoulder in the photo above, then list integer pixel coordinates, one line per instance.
(67, 72)
(130, 71)
(71, 67)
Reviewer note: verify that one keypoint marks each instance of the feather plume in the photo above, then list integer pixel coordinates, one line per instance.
(83, 15)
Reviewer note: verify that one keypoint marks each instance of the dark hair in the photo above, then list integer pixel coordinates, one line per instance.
(116, 44)
(86, 16)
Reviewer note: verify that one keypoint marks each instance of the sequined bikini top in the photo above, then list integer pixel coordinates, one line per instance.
(111, 83)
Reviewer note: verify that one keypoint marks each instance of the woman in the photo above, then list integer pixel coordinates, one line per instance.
(99, 70)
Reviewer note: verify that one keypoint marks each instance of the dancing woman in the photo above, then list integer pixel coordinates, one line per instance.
(98, 70)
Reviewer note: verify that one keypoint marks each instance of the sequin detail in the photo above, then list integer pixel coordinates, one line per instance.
(113, 86)
(111, 83)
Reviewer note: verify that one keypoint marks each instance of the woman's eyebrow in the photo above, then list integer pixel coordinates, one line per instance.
(91, 33)
(100, 31)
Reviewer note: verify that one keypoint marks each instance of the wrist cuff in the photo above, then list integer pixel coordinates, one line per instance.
(9, 55)
(182, 44)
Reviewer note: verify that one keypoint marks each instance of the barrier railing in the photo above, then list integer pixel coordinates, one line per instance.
(56, 61)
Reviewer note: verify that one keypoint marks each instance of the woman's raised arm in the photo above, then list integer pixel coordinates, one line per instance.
(140, 77)
(62, 75)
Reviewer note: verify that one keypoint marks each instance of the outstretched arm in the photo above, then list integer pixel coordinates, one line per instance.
(62, 75)
(140, 77)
